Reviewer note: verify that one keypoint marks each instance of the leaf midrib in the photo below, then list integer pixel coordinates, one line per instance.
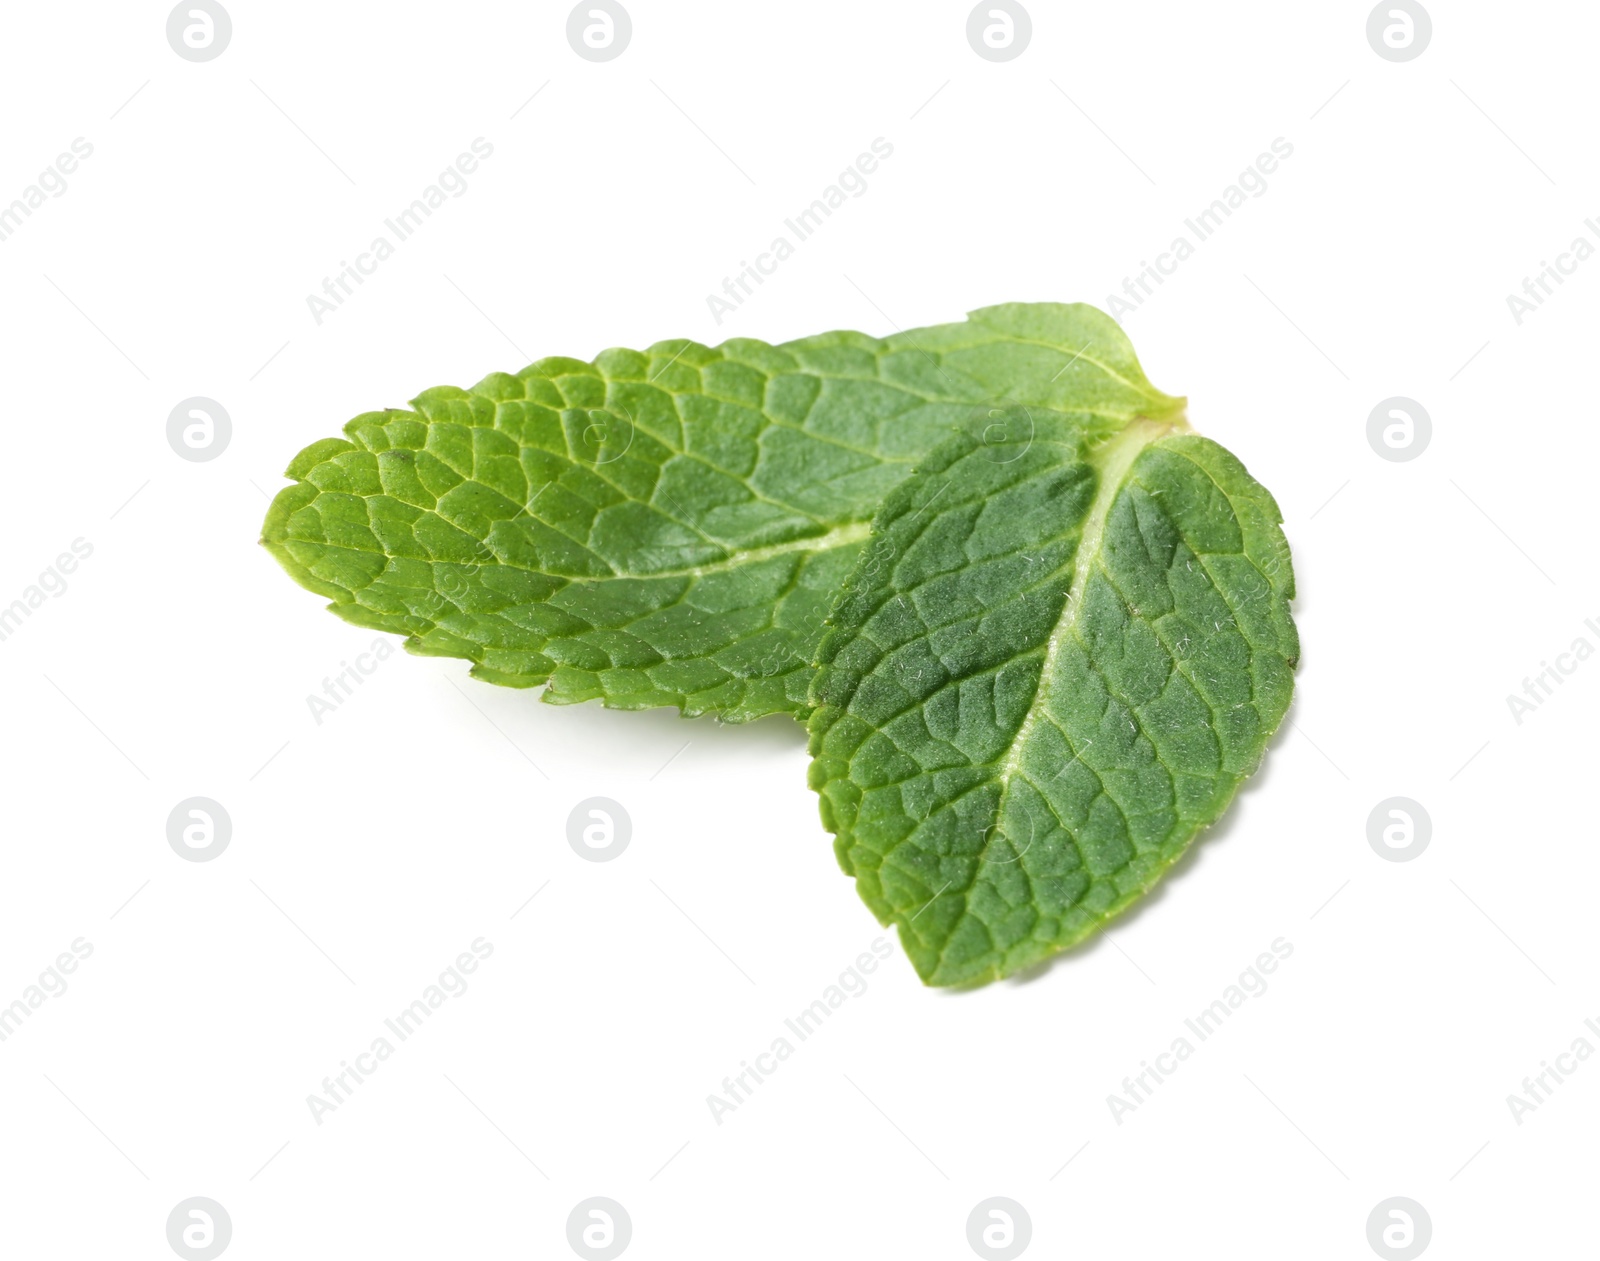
(1112, 461)
(839, 536)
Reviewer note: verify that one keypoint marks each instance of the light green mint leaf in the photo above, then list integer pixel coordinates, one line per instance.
(1053, 666)
(667, 527)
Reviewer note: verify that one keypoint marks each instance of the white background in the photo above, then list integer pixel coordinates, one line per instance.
(368, 851)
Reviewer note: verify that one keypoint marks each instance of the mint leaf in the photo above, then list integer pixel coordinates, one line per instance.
(1053, 666)
(666, 527)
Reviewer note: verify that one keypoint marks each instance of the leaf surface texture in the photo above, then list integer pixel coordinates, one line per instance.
(1054, 665)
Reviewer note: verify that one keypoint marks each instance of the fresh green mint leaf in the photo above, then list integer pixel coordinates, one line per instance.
(1054, 665)
(671, 526)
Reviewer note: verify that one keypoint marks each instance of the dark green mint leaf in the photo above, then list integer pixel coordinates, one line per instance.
(1053, 666)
